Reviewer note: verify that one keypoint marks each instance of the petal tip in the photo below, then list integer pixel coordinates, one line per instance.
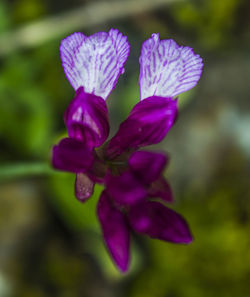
(155, 36)
(84, 187)
(115, 231)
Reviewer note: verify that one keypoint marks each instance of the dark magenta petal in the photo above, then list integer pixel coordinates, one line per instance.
(98, 171)
(83, 133)
(86, 119)
(84, 187)
(148, 123)
(72, 155)
(147, 166)
(160, 188)
(115, 231)
(157, 221)
(125, 189)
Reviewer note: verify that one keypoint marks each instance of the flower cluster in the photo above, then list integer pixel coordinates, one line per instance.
(135, 190)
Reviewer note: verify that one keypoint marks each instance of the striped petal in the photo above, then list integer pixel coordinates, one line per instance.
(94, 62)
(167, 69)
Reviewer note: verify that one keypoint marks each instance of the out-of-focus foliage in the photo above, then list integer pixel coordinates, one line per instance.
(28, 10)
(212, 265)
(4, 18)
(50, 243)
(25, 107)
(212, 22)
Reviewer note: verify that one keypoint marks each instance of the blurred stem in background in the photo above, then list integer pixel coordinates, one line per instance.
(88, 15)
(8, 172)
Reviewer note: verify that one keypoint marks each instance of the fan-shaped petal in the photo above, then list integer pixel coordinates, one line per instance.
(167, 69)
(94, 62)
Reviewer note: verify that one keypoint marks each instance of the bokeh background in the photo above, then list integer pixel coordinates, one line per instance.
(50, 244)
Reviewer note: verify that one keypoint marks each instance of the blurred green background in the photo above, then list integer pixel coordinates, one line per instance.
(50, 244)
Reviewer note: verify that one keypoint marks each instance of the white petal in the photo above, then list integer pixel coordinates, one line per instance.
(94, 62)
(167, 69)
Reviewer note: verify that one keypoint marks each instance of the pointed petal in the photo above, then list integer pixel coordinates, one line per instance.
(125, 189)
(94, 62)
(147, 166)
(84, 187)
(167, 69)
(72, 155)
(160, 188)
(115, 231)
(157, 221)
(86, 119)
(148, 123)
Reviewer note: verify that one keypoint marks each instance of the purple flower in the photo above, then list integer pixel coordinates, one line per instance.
(135, 189)
(130, 196)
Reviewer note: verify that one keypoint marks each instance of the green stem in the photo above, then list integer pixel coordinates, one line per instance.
(13, 171)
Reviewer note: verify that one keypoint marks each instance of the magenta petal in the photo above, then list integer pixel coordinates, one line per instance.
(98, 171)
(148, 123)
(86, 119)
(84, 187)
(157, 221)
(115, 231)
(125, 189)
(160, 188)
(72, 155)
(147, 166)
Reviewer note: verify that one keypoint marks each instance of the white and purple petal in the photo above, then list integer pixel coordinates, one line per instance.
(115, 231)
(94, 62)
(167, 69)
(157, 221)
